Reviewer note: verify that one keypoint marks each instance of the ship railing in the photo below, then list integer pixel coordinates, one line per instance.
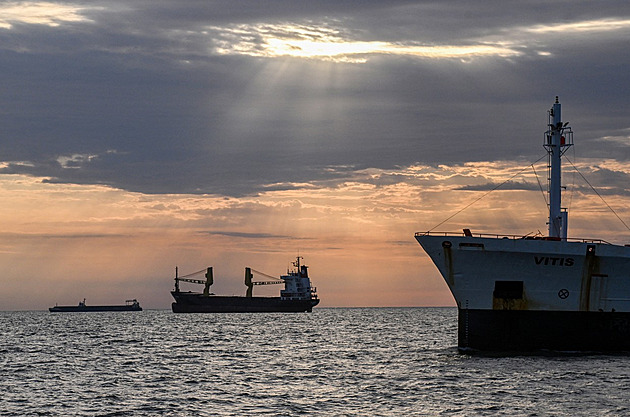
(285, 297)
(468, 233)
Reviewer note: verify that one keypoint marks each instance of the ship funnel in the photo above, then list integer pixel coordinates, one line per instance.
(209, 281)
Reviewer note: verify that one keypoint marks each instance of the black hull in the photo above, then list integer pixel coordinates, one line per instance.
(197, 303)
(527, 330)
(84, 309)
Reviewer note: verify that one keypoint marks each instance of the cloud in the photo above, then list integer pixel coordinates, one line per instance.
(249, 235)
(242, 99)
(508, 185)
(60, 235)
(328, 44)
(40, 13)
(584, 26)
(621, 138)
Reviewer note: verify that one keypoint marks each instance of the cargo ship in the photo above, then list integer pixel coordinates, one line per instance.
(297, 296)
(130, 305)
(531, 293)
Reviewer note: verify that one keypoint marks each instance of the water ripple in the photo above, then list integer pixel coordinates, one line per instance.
(332, 362)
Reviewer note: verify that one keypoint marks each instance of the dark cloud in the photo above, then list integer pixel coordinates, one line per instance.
(137, 97)
(508, 185)
(598, 181)
(251, 235)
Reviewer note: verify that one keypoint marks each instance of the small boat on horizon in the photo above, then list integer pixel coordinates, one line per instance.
(130, 305)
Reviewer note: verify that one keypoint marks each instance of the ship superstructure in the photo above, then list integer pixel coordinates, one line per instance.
(523, 293)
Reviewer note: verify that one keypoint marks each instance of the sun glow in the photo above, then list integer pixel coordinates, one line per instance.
(331, 45)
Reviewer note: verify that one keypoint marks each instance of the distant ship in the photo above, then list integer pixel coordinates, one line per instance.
(130, 305)
(297, 296)
(524, 293)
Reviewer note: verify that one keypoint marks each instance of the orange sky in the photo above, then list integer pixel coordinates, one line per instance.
(61, 243)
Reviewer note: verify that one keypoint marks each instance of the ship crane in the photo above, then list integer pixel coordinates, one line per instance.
(207, 282)
(249, 283)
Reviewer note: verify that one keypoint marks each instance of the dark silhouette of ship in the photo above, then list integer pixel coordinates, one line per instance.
(297, 296)
(130, 305)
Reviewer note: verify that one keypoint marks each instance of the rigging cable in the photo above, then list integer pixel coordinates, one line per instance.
(598, 194)
(539, 184)
(266, 275)
(192, 274)
(572, 184)
(484, 195)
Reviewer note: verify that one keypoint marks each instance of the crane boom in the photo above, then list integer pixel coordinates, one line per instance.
(194, 281)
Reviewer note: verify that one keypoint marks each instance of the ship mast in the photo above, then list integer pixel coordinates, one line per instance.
(558, 138)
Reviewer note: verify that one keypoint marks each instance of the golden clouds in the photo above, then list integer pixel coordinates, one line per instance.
(39, 13)
(324, 42)
(328, 44)
(584, 26)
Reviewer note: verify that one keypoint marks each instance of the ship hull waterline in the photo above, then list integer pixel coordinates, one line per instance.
(198, 303)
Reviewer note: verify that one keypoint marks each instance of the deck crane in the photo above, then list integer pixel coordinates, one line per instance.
(250, 284)
(186, 278)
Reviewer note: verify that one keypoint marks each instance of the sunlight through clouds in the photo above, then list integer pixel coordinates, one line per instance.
(601, 25)
(39, 13)
(324, 43)
(74, 161)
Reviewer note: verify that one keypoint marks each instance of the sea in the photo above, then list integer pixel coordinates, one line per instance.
(331, 362)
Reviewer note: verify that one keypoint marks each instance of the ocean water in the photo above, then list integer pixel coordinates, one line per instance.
(331, 362)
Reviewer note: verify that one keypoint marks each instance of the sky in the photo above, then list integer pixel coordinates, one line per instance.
(137, 136)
